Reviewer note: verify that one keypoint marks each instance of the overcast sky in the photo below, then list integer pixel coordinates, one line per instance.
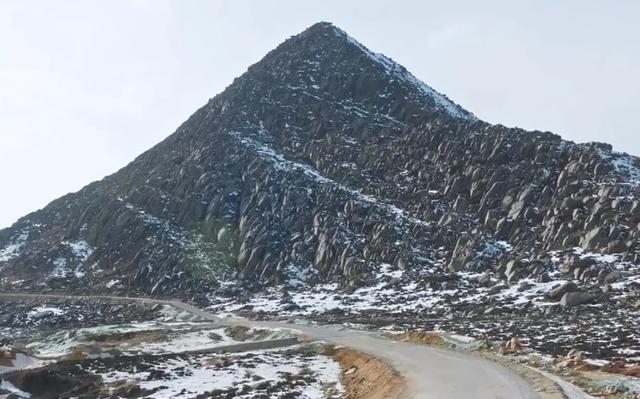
(85, 86)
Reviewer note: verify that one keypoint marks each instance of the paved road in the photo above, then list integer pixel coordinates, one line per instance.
(431, 373)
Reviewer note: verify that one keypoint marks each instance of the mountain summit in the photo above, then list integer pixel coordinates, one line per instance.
(324, 58)
(176, 213)
(328, 165)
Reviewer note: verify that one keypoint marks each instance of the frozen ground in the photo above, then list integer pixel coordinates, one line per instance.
(267, 374)
(166, 357)
(298, 372)
(153, 338)
(475, 304)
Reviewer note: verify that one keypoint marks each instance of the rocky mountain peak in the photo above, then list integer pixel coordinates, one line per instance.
(324, 62)
(330, 183)
(326, 164)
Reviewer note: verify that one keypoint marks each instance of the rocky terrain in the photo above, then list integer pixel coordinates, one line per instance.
(164, 356)
(327, 181)
(288, 373)
(31, 319)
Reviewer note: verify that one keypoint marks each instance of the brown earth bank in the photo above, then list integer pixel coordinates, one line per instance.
(418, 337)
(365, 377)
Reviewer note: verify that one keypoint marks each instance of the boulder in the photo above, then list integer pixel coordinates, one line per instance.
(613, 276)
(5, 352)
(513, 270)
(595, 238)
(43, 314)
(496, 288)
(484, 279)
(459, 256)
(571, 299)
(513, 346)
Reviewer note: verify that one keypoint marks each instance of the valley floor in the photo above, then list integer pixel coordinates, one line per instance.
(160, 352)
(163, 351)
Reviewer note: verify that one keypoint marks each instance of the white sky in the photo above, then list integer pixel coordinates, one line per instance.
(85, 86)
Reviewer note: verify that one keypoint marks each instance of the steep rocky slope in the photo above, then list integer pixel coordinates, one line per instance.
(329, 168)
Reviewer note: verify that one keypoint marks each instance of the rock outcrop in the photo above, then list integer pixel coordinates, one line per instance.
(321, 163)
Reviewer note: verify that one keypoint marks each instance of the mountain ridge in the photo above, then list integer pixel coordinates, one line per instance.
(331, 171)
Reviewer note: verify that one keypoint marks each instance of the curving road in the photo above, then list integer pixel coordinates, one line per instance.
(431, 373)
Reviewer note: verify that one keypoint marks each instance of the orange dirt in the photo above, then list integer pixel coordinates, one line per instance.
(365, 377)
(419, 337)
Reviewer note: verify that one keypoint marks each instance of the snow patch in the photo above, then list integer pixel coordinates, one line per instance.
(281, 163)
(61, 343)
(59, 268)
(193, 376)
(598, 257)
(628, 165)
(12, 250)
(112, 283)
(44, 309)
(80, 249)
(623, 164)
(398, 72)
(8, 386)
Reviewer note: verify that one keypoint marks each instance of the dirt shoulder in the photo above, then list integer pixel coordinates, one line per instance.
(546, 388)
(365, 377)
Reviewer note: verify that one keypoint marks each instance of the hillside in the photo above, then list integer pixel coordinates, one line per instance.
(329, 181)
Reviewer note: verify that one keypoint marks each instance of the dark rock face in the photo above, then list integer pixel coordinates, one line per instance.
(323, 161)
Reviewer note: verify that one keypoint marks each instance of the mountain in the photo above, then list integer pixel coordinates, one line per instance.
(329, 165)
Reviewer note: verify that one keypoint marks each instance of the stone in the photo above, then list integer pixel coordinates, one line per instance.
(485, 279)
(571, 299)
(5, 352)
(317, 166)
(42, 314)
(513, 346)
(459, 256)
(496, 289)
(594, 239)
(613, 276)
(558, 292)
(513, 270)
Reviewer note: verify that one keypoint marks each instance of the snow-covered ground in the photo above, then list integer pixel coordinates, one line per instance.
(281, 163)
(143, 338)
(472, 304)
(278, 374)
(398, 291)
(13, 249)
(169, 358)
